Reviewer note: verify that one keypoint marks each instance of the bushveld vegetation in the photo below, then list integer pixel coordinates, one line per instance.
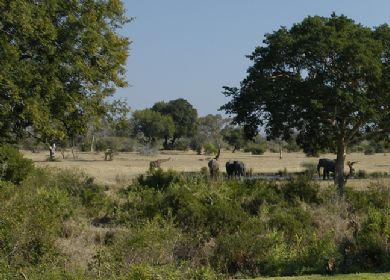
(60, 224)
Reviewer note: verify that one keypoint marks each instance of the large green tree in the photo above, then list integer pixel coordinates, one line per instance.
(60, 59)
(328, 79)
(235, 136)
(153, 125)
(183, 114)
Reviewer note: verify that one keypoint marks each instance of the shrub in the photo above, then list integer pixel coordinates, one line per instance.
(303, 189)
(251, 252)
(182, 145)
(14, 167)
(159, 179)
(292, 221)
(152, 243)
(369, 150)
(32, 219)
(292, 146)
(75, 184)
(210, 149)
(372, 252)
(142, 204)
(361, 174)
(256, 148)
(310, 169)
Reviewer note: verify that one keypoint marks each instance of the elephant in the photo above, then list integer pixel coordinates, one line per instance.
(235, 168)
(328, 165)
(214, 165)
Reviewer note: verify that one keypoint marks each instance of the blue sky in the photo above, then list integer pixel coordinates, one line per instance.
(191, 49)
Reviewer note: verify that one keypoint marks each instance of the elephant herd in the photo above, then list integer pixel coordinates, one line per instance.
(236, 168)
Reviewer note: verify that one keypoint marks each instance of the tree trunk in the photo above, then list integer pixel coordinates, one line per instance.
(280, 152)
(165, 144)
(93, 144)
(339, 168)
(73, 152)
(173, 143)
(52, 151)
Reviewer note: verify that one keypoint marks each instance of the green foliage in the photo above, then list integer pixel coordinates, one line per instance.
(159, 179)
(184, 117)
(120, 144)
(256, 148)
(369, 150)
(303, 80)
(152, 243)
(210, 128)
(310, 169)
(292, 146)
(234, 136)
(14, 167)
(371, 250)
(182, 145)
(176, 226)
(302, 189)
(59, 67)
(152, 124)
(31, 218)
(76, 185)
(210, 149)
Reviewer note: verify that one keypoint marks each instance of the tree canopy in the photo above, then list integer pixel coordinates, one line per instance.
(234, 136)
(328, 79)
(184, 116)
(153, 125)
(59, 60)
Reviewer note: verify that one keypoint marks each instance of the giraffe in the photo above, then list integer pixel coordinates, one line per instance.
(157, 163)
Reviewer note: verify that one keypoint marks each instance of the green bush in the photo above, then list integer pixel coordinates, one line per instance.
(32, 218)
(371, 247)
(75, 184)
(152, 242)
(310, 169)
(369, 150)
(168, 225)
(210, 149)
(256, 148)
(182, 145)
(159, 179)
(13, 166)
(292, 146)
(302, 189)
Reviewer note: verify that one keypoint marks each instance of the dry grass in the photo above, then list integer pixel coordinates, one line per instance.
(126, 166)
(358, 276)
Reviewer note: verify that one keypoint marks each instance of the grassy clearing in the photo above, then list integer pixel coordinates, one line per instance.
(126, 166)
(360, 276)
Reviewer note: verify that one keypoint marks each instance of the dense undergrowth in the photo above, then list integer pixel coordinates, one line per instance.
(61, 225)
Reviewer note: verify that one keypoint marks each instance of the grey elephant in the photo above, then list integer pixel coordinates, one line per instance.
(235, 168)
(328, 165)
(214, 165)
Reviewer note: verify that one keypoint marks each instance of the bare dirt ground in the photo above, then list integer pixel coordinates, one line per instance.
(126, 166)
